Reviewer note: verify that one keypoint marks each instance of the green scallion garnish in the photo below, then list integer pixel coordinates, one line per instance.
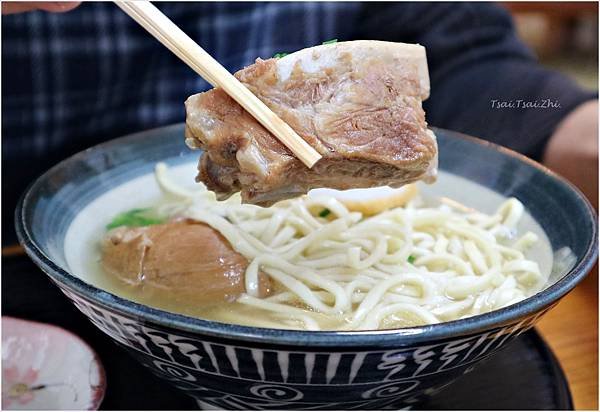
(280, 55)
(411, 259)
(324, 213)
(135, 218)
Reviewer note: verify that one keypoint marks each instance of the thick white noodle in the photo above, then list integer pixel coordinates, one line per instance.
(407, 266)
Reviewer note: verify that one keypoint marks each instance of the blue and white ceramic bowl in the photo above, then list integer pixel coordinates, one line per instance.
(237, 367)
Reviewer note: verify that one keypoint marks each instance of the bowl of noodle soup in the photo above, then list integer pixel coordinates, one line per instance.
(365, 311)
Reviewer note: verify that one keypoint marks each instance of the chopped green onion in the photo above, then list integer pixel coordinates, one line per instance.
(411, 259)
(280, 55)
(135, 218)
(324, 213)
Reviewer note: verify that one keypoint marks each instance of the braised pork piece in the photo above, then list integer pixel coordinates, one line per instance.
(357, 103)
(189, 262)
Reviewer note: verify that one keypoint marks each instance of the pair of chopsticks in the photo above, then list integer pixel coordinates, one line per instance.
(167, 32)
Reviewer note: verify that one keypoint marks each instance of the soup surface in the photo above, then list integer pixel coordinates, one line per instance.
(331, 268)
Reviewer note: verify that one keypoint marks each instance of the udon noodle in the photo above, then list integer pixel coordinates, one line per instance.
(409, 265)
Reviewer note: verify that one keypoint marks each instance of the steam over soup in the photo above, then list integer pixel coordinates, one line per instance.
(315, 262)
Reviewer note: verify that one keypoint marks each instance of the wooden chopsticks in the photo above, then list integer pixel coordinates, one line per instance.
(170, 35)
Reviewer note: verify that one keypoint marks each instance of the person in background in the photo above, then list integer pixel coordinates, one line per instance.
(72, 80)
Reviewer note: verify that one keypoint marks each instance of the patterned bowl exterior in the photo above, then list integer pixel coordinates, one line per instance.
(237, 367)
(242, 375)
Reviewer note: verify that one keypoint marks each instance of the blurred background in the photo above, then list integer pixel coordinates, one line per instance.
(563, 35)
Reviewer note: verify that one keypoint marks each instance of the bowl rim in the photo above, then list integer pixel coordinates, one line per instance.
(378, 338)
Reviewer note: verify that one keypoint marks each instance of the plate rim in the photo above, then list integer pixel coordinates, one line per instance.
(98, 392)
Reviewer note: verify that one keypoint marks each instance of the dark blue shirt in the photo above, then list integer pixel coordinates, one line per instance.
(73, 80)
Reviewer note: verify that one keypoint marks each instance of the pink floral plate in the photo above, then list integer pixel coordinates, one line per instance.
(47, 367)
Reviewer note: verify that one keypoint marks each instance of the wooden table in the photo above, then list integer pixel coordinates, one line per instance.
(571, 330)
